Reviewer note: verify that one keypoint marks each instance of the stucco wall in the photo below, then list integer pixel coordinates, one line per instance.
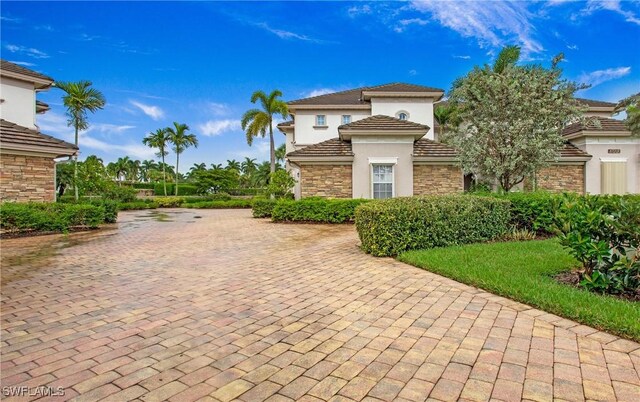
(325, 181)
(437, 179)
(420, 110)
(306, 134)
(26, 178)
(19, 104)
(599, 148)
(559, 178)
(365, 148)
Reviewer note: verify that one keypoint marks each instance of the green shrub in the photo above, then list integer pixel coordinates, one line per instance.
(262, 207)
(183, 189)
(389, 227)
(47, 217)
(144, 186)
(210, 197)
(119, 193)
(603, 234)
(136, 205)
(169, 202)
(110, 209)
(531, 211)
(245, 191)
(219, 204)
(316, 210)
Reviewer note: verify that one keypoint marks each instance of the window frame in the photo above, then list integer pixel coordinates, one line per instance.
(401, 112)
(343, 119)
(324, 118)
(392, 182)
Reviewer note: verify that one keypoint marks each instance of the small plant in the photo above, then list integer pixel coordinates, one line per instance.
(262, 207)
(169, 202)
(521, 235)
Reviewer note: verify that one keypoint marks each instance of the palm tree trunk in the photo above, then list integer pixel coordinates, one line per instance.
(273, 149)
(75, 169)
(164, 174)
(177, 163)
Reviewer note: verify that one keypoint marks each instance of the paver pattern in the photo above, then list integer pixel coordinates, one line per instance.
(215, 305)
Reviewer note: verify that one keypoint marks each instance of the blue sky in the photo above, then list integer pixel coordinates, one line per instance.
(199, 62)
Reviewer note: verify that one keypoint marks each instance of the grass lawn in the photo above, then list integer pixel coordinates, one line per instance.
(524, 271)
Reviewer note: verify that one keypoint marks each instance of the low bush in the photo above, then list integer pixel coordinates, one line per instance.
(531, 211)
(183, 189)
(321, 210)
(219, 204)
(603, 234)
(136, 205)
(389, 227)
(262, 207)
(119, 193)
(47, 217)
(210, 197)
(169, 202)
(144, 186)
(245, 191)
(111, 209)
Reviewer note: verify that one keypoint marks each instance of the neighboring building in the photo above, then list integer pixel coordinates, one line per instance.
(379, 142)
(27, 157)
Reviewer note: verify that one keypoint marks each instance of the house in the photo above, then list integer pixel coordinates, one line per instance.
(380, 142)
(27, 156)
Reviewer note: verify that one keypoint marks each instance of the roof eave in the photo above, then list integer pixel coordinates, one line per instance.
(594, 133)
(347, 134)
(294, 107)
(437, 95)
(317, 158)
(432, 159)
(38, 82)
(54, 152)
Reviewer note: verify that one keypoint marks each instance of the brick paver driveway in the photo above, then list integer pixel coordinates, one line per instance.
(219, 306)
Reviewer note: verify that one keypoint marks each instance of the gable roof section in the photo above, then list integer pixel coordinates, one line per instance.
(381, 122)
(596, 103)
(328, 148)
(354, 96)
(13, 70)
(19, 138)
(606, 125)
(426, 148)
(571, 151)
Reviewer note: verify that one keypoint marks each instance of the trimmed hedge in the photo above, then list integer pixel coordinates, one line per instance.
(532, 211)
(183, 189)
(320, 210)
(50, 217)
(389, 227)
(262, 207)
(136, 205)
(210, 197)
(229, 204)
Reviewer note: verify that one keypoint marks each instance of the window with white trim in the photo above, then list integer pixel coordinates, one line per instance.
(346, 118)
(382, 181)
(402, 115)
(321, 120)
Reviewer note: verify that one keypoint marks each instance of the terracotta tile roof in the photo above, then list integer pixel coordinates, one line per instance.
(332, 147)
(382, 122)
(354, 96)
(595, 103)
(13, 135)
(429, 148)
(41, 107)
(606, 124)
(286, 124)
(14, 68)
(569, 150)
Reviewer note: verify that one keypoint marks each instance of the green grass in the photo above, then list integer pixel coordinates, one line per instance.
(524, 271)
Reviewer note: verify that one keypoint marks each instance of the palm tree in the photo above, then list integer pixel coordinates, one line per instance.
(216, 166)
(233, 164)
(197, 167)
(281, 152)
(134, 170)
(121, 168)
(80, 98)
(256, 122)
(445, 115)
(159, 140)
(262, 174)
(146, 167)
(94, 159)
(248, 166)
(509, 55)
(181, 140)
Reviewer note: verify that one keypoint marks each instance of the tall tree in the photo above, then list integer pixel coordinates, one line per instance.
(257, 122)
(248, 166)
(233, 164)
(159, 140)
(445, 115)
(181, 140)
(281, 152)
(122, 168)
(509, 56)
(146, 167)
(512, 119)
(631, 105)
(79, 99)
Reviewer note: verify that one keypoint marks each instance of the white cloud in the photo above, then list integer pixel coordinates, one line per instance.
(218, 109)
(23, 63)
(611, 5)
(355, 10)
(572, 47)
(599, 76)
(213, 128)
(27, 51)
(413, 72)
(318, 92)
(260, 150)
(155, 112)
(463, 57)
(491, 23)
(56, 124)
(283, 34)
(404, 23)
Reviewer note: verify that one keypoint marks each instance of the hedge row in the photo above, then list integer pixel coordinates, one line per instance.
(389, 227)
(50, 217)
(230, 204)
(316, 210)
(183, 189)
(262, 208)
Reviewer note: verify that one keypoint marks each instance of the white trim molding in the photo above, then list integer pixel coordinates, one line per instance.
(384, 160)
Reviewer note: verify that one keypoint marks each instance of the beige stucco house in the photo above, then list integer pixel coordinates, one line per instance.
(27, 157)
(380, 142)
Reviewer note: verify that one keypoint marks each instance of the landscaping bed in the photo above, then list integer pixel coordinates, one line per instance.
(20, 219)
(526, 272)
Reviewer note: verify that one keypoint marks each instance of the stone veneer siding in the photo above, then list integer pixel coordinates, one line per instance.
(326, 181)
(26, 178)
(558, 178)
(437, 179)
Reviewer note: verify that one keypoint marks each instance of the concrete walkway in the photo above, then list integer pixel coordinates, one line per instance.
(214, 305)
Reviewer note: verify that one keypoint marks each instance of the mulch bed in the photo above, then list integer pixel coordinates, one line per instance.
(572, 278)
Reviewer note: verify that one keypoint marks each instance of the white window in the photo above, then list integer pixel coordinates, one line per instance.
(321, 120)
(346, 118)
(382, 181)
(402, 115)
